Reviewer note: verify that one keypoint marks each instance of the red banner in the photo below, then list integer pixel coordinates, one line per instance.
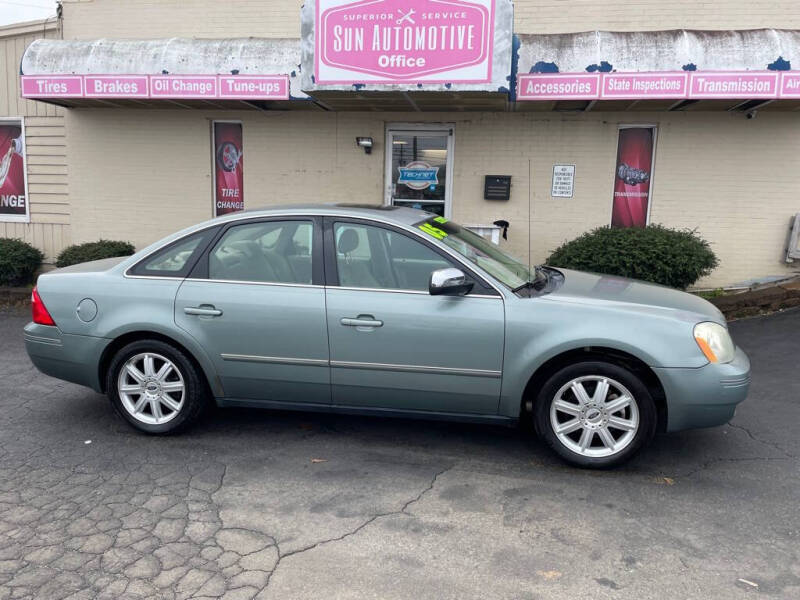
(228, 168)
(632, 177)
(13, 200)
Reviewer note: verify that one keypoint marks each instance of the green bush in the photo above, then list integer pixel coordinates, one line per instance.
(672, 257)
(18, 262)
(80, 253)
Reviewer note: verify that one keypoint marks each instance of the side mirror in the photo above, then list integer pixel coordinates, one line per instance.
(449, 282)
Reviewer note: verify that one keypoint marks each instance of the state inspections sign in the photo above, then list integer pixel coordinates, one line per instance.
(228, 167)
(13, 182)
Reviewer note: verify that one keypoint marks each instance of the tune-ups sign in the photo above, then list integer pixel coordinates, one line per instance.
(404, 41)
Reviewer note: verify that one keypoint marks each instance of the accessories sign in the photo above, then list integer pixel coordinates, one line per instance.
(404, 41)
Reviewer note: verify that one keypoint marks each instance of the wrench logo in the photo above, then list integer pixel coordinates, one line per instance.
(406, 16)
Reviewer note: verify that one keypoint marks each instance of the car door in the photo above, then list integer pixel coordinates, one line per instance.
(395, 346)
(256, 302)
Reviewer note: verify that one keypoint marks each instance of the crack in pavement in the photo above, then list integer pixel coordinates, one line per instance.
(353, 532)
(753, 437)
(715, 461)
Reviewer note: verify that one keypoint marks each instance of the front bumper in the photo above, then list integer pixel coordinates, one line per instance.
(74, 358)
(706, 396)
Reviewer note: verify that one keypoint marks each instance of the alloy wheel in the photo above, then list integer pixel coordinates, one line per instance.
(594, 416)
(151, 388)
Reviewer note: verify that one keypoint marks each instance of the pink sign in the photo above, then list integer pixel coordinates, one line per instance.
(790, 85)
(724, 85)
(558, 86)
(254, 87)
(115, 86)
(183, 86)
(404, 41)
(56, 86)
(635, 86)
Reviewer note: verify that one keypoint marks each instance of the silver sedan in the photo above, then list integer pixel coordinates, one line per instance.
(385, 311)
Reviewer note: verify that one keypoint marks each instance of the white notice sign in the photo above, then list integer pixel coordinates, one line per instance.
(563, 181)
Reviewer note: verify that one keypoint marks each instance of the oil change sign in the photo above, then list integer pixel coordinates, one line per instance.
(404, 41)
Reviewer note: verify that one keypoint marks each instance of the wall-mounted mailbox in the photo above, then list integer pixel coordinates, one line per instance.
(497, 187)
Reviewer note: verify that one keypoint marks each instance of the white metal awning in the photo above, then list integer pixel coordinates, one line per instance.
(256, 72)
(660, 70)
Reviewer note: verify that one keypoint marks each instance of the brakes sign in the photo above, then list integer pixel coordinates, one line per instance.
(404, 41)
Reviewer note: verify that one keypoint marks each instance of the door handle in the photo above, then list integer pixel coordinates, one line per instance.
(361, 321)
(203, 311)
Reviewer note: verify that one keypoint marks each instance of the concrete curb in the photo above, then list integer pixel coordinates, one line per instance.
(758, 301)
(15, 296)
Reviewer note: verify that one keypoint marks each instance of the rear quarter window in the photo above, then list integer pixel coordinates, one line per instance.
(176, 259)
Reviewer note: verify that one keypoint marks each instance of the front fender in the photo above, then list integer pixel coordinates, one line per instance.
(537, 332)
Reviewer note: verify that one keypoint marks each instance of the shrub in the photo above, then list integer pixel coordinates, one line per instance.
(72, 255)
(18, 262)
(672, 257)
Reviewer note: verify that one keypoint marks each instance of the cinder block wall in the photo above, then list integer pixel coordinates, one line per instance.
(139, 175)
(85, 19)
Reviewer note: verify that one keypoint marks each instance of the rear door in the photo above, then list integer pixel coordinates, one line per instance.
(395, 346)
(256, 302)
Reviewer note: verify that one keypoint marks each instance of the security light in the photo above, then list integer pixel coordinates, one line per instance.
(365, 143)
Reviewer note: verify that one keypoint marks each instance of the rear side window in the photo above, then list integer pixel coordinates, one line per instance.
(176, 259)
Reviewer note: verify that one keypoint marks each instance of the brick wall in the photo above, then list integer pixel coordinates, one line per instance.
(156, 173)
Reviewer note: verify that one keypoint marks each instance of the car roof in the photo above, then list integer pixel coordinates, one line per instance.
(390, 214)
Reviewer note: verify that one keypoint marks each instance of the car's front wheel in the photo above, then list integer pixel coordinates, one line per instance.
(155, 387)
(595, 414)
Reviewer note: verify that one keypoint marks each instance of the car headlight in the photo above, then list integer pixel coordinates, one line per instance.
(715, 342)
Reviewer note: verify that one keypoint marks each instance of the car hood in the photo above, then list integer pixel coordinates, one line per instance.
(619, 292)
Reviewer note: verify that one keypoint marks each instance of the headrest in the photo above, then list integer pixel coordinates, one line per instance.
(348, 241)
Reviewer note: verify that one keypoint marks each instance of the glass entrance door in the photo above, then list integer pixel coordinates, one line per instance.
(419, 167)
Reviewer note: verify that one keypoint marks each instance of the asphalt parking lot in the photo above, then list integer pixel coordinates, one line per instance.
(282, 505)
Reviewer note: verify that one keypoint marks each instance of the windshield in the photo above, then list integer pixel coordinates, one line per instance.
(477, 250)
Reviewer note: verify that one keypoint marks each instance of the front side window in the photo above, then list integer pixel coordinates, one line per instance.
(477, 250)
(265, 252)
(373, 257)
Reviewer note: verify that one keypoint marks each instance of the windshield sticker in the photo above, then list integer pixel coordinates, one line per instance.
(440, 220)
(433, 231)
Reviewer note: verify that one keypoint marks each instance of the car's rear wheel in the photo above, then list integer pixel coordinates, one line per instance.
(155, 387)
(595, 414)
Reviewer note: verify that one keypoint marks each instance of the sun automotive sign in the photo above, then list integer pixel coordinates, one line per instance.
(380, 43)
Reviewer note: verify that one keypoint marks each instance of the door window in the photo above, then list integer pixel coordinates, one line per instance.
(374, 257)
(418, 168)
(265, 252)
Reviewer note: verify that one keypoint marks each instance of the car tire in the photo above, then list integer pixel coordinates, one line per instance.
(171, 394)
(587, 401)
